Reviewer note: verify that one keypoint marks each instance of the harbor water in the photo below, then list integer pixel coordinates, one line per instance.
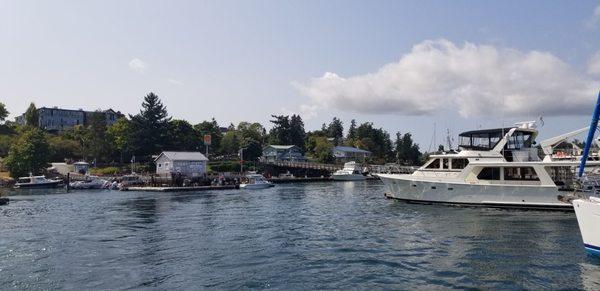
(321, 235)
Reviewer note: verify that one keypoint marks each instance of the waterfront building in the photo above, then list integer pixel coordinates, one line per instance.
(190, 164)
(275, 153)
(57, 119)
(343, 154)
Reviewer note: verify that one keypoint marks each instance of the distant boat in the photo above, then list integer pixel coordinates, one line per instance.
(37, 182)
(350, 172)
(256, 181)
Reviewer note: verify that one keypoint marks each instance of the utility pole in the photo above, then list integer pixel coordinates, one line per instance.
(242, 160)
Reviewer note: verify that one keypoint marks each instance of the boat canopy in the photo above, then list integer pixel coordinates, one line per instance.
(486, 139)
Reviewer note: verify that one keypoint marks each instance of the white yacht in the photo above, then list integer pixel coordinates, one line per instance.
(494, 168)
(90, 182)
(350, 172)
(256, 181)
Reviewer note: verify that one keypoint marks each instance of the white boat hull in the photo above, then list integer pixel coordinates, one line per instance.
(352, 177)
(588, 217)
(257, 186)
(406, 187)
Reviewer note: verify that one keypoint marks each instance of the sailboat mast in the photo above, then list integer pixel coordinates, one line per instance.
(590, 137)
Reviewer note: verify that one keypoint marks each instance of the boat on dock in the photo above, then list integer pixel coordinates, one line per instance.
(256, 181)
(37, 182)
(494, 168)
(350, 172)
(90, 182)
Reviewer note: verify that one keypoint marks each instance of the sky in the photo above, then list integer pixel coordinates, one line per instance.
(407, 66)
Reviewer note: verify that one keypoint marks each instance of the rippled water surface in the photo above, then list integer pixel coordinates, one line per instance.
(295, 236)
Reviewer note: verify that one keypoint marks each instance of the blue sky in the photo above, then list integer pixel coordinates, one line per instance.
(401, 64)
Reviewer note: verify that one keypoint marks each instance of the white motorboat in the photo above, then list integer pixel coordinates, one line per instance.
(90, 182)
(588, 217)
(37, 182)
(350, 172)
(494, 168)
(256, 181)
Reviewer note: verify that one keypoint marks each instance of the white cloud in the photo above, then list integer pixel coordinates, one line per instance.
(594, 64)
(175, 82)
(138, 65)
(476, 80)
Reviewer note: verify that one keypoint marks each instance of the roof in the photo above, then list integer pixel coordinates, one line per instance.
(282, 147)
(183, 156)
(350, 150)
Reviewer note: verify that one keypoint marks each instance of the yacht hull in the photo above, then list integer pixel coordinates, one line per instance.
(406, 187)
(53, 184)
(256, 186)
(588, 217)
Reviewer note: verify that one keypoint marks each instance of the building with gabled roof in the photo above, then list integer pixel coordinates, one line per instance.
(190, 164)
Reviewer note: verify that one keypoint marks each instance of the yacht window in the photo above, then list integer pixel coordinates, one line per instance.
(520, 173)
(435, 164)
(459, 163)
(489, 173)
(445, 164)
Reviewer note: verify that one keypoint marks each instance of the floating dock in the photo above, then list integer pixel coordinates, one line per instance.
(181, 189)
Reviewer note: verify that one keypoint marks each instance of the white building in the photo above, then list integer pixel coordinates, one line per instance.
(191, 164)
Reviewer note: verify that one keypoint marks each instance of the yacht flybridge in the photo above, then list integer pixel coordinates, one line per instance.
(495, 168)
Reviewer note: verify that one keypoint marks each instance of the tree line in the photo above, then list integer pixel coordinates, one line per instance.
(27, 148)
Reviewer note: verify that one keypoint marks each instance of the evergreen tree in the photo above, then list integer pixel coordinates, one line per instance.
(149, 128)
(29, 154)
(407, 152)
(297, 133)
(335, 130)
(3, 112)
(280, 133)
(352, 130)
(32, 117)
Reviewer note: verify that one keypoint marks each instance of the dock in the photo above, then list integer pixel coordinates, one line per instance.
(299, 180)
(181, 189)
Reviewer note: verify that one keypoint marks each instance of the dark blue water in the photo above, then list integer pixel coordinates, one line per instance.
(303, 236)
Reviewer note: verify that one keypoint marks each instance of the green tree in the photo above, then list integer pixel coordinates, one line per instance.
(32, 117)
(62, 147)
(182, 136)
(3, 112)
(376, 140)
(231, 143)
(149, 128)
(323, 149)
(99, 142)
(119, 133)
(252, 149)
(280, 132)
(407, 152)
(297, 133)
(29, 153)
(352, 130)
(335, 130)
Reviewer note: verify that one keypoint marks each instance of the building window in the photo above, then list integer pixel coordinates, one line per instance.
(489, 173)
(160, 165)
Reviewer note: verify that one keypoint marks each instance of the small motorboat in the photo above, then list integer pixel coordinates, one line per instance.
(588, 217)
(256, 181)
(350, 172)
(90, 182)
(37, 182)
